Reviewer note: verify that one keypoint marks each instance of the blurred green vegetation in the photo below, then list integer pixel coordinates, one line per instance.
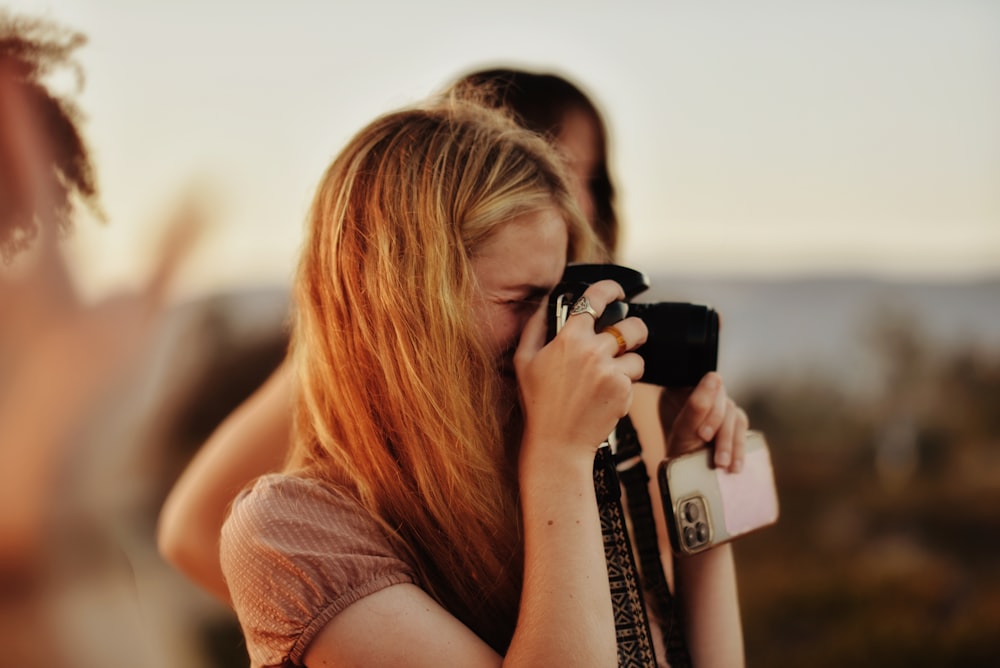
(887, 548)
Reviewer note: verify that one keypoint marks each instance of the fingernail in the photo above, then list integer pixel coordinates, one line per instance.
(705, 433)
(722, 458)
(737, 466)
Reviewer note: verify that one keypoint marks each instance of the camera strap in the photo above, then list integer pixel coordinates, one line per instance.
(632, 472)
(635, 641)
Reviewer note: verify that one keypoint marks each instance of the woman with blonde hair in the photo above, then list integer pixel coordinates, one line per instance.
(254, 439)
(438, 506)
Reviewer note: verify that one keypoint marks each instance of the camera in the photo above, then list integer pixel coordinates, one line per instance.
(683, 342)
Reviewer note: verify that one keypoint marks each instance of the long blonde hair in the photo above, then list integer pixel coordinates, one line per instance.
(398, 401)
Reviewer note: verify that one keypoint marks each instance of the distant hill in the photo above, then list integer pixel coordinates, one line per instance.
(772, 329)
(776, 328)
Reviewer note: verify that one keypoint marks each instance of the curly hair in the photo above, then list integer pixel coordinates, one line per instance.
(30, 50)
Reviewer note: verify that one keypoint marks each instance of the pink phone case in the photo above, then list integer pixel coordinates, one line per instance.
(706, 506)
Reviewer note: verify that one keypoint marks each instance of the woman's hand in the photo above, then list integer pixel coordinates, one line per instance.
(576, 387)
(573, 390)
(707, 414)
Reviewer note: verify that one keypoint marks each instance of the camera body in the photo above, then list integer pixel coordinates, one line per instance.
(683, 342)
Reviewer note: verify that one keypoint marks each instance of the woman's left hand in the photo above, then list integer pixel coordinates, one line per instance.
(708, 414)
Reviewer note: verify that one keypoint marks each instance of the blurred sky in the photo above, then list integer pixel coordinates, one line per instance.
(780, 137)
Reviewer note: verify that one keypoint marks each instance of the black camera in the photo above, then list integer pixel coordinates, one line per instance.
(683, 342)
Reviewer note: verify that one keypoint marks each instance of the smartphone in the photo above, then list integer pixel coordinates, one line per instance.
(706, 506)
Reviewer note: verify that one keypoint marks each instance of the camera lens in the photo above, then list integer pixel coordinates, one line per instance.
(691, 511)
(690, 537)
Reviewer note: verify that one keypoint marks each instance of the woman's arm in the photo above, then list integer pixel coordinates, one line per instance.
(573, 391)
(252, 441)
(706, 582)
(565, 618)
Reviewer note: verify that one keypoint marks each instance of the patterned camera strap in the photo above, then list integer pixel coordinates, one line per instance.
(635, 642)
(635, 646)
(633, 475)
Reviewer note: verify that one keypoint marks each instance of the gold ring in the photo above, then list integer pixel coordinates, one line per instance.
(582, 305)
(622, 344)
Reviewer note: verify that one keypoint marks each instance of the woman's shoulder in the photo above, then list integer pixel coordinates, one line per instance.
(295, 552)
(286, 514)
(283, 493)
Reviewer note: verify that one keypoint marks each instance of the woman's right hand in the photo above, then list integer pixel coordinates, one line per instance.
(576, 387)
(573, 391)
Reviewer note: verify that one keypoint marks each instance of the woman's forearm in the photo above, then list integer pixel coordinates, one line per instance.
(706, 585)
(566, 615)
(252, 441)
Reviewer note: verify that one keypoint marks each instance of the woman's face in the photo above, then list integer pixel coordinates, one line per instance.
(516, 269)
(579, 141)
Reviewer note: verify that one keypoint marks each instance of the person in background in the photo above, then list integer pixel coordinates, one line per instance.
(560, 111)
(255, 439)
(45, 173)
(67, 595)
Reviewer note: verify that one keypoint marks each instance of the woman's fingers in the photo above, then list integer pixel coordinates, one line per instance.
(709, 414)
(687, 432)
(719, 403)
(589, 307)
(632, 365)
(731, 438)
(625, 335)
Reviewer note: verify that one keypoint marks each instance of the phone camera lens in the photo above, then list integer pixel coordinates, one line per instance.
(690, 537)
(691, 511)
(701, 530)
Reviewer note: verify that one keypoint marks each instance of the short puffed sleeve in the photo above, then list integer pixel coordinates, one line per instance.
(295, 553)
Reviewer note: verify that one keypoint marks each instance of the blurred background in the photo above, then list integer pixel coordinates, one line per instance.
(826, 174)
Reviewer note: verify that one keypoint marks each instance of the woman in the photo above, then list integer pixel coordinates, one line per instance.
(254, 439)
(420, 520)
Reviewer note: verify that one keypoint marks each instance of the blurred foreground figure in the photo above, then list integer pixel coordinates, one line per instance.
(66, 589)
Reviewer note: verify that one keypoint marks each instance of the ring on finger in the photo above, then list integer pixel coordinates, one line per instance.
(582, 305)
(615, 332)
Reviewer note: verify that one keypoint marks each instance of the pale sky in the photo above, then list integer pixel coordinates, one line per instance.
(775, 137)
